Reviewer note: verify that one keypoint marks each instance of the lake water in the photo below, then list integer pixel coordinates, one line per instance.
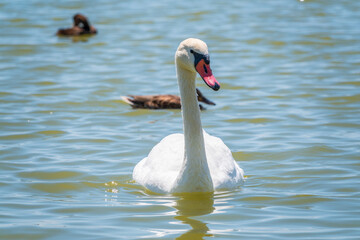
(288, 108)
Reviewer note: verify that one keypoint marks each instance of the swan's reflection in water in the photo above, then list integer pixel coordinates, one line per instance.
(194, 204)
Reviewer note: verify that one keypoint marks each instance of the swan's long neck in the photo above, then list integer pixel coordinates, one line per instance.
(194, 175)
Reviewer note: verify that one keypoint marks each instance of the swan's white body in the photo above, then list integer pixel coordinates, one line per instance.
(194, 161)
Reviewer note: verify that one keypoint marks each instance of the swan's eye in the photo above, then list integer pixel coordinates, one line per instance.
(192, 51)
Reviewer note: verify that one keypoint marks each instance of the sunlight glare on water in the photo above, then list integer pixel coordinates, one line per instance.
(288, 108)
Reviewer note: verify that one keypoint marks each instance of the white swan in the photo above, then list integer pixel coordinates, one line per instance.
(193, 161)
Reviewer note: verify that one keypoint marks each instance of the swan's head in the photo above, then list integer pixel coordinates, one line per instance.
(193, 55)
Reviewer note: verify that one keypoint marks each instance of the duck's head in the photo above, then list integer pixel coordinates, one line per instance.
(193, 55)
(81, 21)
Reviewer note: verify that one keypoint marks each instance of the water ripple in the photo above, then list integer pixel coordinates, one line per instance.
(287, 108)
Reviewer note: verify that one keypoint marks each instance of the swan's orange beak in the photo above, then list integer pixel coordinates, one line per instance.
(205, 72)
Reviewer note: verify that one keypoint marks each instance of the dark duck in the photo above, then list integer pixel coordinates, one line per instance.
(166, 101)
(81, 26)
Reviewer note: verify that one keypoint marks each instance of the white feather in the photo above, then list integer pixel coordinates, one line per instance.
(159, 170)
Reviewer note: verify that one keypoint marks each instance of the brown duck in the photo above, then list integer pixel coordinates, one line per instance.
(81, 26)
(167, 101)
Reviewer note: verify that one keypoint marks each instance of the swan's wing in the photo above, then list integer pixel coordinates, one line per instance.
(224, 170)
(158, 171)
